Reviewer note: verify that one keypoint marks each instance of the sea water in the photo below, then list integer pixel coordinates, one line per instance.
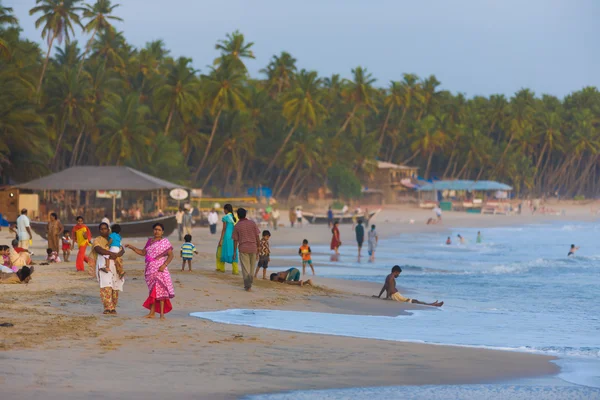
(516, 290)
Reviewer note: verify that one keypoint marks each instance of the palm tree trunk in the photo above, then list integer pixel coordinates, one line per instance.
(45, 63)
(87, 49)
(465, 166)
(209, 144)
(451, 158)
(385, 124)
(281, 148)
(428, 164)
(504, 152)
(287, 178)
(210, 174)
(345, 125)
(76, 147)
(82, 152)
(58, 142)
(169, 119)
(409, 159)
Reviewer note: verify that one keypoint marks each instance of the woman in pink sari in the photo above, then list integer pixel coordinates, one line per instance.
(159, 254)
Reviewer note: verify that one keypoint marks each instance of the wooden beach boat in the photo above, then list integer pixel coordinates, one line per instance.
(142, 228)
(342, 218)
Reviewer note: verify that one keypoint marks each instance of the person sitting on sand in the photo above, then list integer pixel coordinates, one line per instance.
(291, 277)
(392, 293)
(23, 275)
(19, 257)
(572, 250)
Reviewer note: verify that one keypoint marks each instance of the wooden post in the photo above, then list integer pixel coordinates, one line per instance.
(114, 213)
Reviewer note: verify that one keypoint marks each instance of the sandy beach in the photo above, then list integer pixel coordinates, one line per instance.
(61, 346)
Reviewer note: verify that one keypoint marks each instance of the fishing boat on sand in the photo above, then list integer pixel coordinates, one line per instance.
(142, 228)
(341, 218)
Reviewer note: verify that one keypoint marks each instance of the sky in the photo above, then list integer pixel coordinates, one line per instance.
(475, 47)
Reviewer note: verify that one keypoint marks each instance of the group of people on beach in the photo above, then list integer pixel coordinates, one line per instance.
(241, 244)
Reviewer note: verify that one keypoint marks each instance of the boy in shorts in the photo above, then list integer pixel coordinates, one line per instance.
(187, 252)
(305, 253)
(264, 254)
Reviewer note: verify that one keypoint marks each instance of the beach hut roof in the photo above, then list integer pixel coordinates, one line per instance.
(389, 165)
(99, 178)
(464, 185)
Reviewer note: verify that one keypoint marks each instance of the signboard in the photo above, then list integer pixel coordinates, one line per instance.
(108, 194)
(196, 193)
(178, 194)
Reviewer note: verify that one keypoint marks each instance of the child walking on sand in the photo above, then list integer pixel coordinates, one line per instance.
(67, 245)
(187, 252)
(114, 243)
(264, 254)
(305, 252)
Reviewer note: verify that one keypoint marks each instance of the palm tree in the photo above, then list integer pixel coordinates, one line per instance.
(6, 18)
(522, 112)
(126, 133)
(69, 96)
(393, 99)
(429, 95)
(110, 47)
(302, 107)
(280, 71)
(178, 92)
(98, 15)
(235, 49)
(224, 89)
(428, 139)
(57, 17)
(359, 93)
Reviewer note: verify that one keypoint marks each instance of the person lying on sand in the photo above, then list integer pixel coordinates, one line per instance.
(291, 277)
(390, 287)
(21, 276)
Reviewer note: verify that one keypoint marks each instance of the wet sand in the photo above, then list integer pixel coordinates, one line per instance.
(61, 346)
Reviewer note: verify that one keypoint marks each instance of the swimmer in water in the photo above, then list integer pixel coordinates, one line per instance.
(448, 241)
(479, 239)
(462, 239)
(572, 250)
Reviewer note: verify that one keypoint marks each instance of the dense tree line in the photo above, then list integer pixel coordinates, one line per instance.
(105, 102)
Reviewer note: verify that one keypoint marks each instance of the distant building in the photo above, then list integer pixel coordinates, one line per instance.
(388, 183)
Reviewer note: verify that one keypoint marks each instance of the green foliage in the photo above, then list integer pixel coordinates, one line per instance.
(106, 102)
(343, 183)
(337, 205)
(579, 197)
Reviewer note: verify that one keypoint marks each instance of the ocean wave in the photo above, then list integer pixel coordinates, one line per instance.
(275, 319)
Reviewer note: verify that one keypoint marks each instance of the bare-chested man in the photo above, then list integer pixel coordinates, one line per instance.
(390, 287)
(291, 277)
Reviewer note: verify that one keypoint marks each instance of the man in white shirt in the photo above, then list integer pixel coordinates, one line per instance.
(299, 217)
(24, 230)
(438, 212)
(275, 217)
(179, 218)
(213, 219)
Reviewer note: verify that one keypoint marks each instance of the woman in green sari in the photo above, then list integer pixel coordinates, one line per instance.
(225, 250)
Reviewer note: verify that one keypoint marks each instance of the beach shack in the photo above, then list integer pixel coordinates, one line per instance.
(388, 183)
(466, 195)
(95, 191)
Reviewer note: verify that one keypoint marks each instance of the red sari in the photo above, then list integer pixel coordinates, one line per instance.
(335, 242)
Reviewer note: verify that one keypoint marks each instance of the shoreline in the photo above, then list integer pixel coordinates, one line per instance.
(58, 320)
